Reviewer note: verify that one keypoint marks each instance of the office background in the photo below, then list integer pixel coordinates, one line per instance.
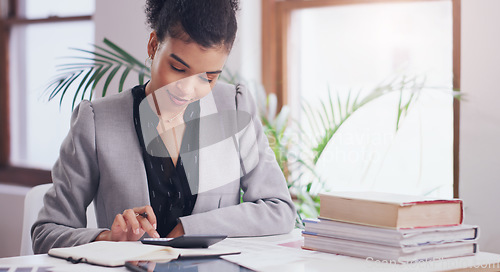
(479, 116)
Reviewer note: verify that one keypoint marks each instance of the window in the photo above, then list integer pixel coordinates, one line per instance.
(35, 9)
(39, 34)
(324, 45)
(38, 127)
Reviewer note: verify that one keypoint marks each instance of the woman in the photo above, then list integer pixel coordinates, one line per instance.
(193, 187)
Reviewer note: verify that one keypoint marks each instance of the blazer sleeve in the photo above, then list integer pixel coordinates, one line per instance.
(62, 220)
(267, 207)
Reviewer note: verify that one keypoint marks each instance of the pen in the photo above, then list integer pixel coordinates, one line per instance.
(144, 214)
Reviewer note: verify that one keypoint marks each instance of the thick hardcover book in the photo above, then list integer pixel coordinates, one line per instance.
(390, 210)
(390, 237)
(117, 253)
(389, 253)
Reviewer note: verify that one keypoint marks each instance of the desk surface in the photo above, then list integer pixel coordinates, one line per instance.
(281, 253)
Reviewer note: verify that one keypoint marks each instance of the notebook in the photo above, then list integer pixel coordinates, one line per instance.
(107, 253)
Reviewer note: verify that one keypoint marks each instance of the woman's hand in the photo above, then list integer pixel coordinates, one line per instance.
(131, 225)
(177, 231)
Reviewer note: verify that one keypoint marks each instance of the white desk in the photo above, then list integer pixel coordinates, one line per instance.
(268, 254)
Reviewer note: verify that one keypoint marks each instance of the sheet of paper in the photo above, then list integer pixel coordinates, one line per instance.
(268, 254)
(268, 251)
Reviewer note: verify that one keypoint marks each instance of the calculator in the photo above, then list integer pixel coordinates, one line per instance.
(186, 241)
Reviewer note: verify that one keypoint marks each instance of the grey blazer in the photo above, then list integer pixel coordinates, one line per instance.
(100, 160)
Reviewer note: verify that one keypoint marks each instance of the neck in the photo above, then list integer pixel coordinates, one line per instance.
(175, 117)
(147, 89)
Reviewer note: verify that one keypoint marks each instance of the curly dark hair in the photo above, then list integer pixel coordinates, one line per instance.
(207, 22)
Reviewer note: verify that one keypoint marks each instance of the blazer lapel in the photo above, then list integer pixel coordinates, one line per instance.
(219, 161)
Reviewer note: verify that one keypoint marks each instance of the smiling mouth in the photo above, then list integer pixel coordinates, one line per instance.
(177, 100)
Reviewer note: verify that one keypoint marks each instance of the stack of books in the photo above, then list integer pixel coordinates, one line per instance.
(396, 228)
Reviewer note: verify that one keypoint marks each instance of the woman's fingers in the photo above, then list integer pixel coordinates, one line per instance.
(146, 225)
(118, 229)
(150, 214)
(132, 221)
(147, 219)
(137, 220)
(141, 218)
(120, 222)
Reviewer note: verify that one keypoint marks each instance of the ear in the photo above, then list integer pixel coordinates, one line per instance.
(152, 44)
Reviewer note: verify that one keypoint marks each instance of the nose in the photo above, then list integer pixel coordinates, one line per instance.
(187, 85)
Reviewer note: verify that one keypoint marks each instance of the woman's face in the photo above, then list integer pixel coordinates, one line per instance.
(189, 69)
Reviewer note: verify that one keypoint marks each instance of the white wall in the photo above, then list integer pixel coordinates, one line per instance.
(124, 23)
(480, 119)
(245, 58)
(11, 214)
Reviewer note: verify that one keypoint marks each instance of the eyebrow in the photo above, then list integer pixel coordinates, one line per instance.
(187, 65)
(214, 72)
(179, 60)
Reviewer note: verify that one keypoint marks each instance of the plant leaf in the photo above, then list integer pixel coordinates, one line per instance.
(306, 108)
(122, 52)
(111, 53)
(340, 106)
(58, 83)
(332, 109)
(91, 81)
(60, 86)
(325, 113)
(108, 80)
(67, 86)
(347, 102)
(80, 87)
(123, 77)
(97, 78)
(141, 77)
(97, 54)
(282, 119)
(272, 105)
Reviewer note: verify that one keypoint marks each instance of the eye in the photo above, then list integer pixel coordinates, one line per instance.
(204, 79)
(177, 69)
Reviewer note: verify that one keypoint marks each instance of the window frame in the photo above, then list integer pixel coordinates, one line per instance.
(276, 16)
(11, 174)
